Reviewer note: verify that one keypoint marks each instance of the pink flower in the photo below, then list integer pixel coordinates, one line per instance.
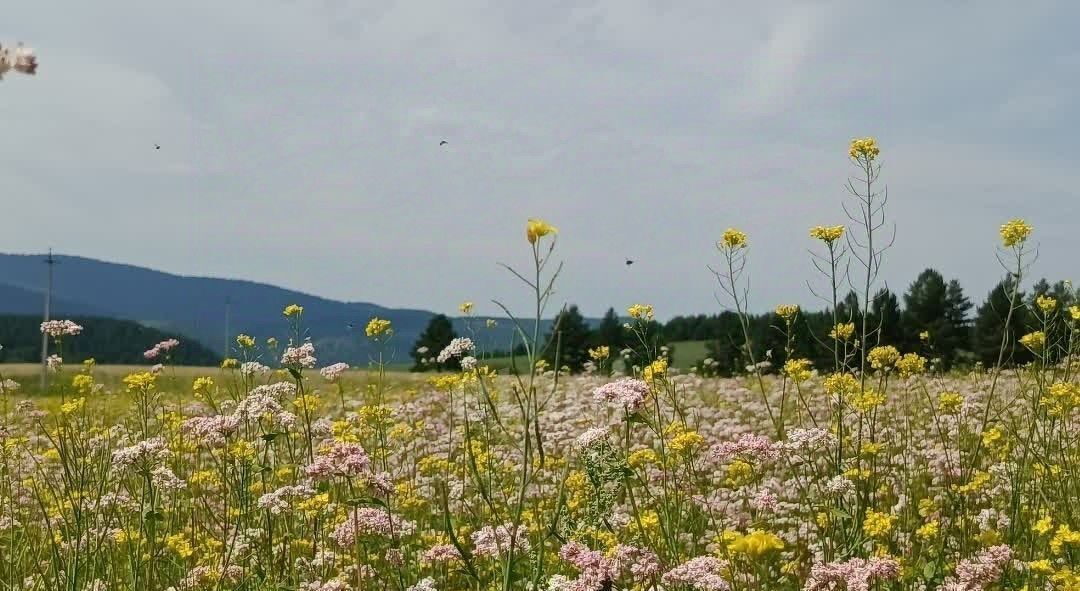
(701, 573)
(630, 393)
(341, 459)
(369, 521)
(856, 574)
(492, 541)
(755, 447)
(59, 328)
(332, 373)
(979, 572)
(299, 357)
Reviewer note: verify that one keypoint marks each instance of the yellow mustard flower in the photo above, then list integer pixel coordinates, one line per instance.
(536, 229)
(883, 356)
(732, 239)
(378, 327)
(641, 311)
(1015, 232)
(293, 310)
(1035, 341)
(842, 331)
(787, 312)
(864, 149)
(827, 234)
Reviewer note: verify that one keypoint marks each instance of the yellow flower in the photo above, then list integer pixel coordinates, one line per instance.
(950, 402)
(1046, 304)
(924, 336)
(878, 525)
(1034, 341)
(842, 331)
(466, 308)
(642, 457)
(242, 450)
(1061, 397)
(230, 363)
(882, 357)
(755, 543)
(864, 149)
(867, 400)
(827, 234)
(655, 370)
(202, 385)
(798, 370)
(245, 341)
(73, 406)
(179, 545)
(139, 381)
(377, 327)
(293, 310)
(739, 473)
(687, 441)
(992, 436)
(1015, 232)
(841, 383)
(1043, 526)
(537, 228)
(911, 364)
(1063, 535)
(979, 480)
(1074, 312)
(732, 239)
(928, 530)
(83, 383)
(641, 311)
(787, 312)
(600, 353)
(1042, 567)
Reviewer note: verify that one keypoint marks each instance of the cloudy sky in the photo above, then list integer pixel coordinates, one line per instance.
(300, 140)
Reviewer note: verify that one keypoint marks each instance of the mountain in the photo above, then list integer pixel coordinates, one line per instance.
(196, 307)
(107, 340)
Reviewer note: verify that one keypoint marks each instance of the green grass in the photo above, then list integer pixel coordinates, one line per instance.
(687, 353)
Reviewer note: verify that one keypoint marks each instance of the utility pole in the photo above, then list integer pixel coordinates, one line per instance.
(50, 261)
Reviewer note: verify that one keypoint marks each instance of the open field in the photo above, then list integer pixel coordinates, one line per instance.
(870, 468)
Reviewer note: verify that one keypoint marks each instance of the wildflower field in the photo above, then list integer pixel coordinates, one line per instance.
(878, 471)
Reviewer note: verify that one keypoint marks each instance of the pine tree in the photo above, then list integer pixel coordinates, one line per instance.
(435, 338)
(885, 318)
(924, 309)
(990, 327)
(610, 332)
(568, 344)
(957, 316)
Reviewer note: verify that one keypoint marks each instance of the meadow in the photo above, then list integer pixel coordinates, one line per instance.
(878, 471)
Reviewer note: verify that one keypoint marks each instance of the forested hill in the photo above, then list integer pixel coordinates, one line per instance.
(106, 340)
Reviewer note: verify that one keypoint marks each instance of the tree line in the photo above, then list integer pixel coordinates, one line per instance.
(937, 319)
(106, 340)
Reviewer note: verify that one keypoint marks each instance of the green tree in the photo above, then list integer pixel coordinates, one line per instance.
(435, 338)
(568, 343)
(957, 342)
(990, 327)
(885, 317)
(610, 332)
(924, 309)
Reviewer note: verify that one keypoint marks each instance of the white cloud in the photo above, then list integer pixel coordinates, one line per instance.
(302, 139)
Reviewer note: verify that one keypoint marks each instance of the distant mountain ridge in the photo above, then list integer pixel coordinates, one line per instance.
(196, 306)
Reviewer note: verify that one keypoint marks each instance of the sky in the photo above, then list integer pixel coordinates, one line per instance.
(300, 141)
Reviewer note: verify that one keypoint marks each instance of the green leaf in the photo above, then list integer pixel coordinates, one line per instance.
(270, 437)
(840, 513)
(929, 571)
(295, 373)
